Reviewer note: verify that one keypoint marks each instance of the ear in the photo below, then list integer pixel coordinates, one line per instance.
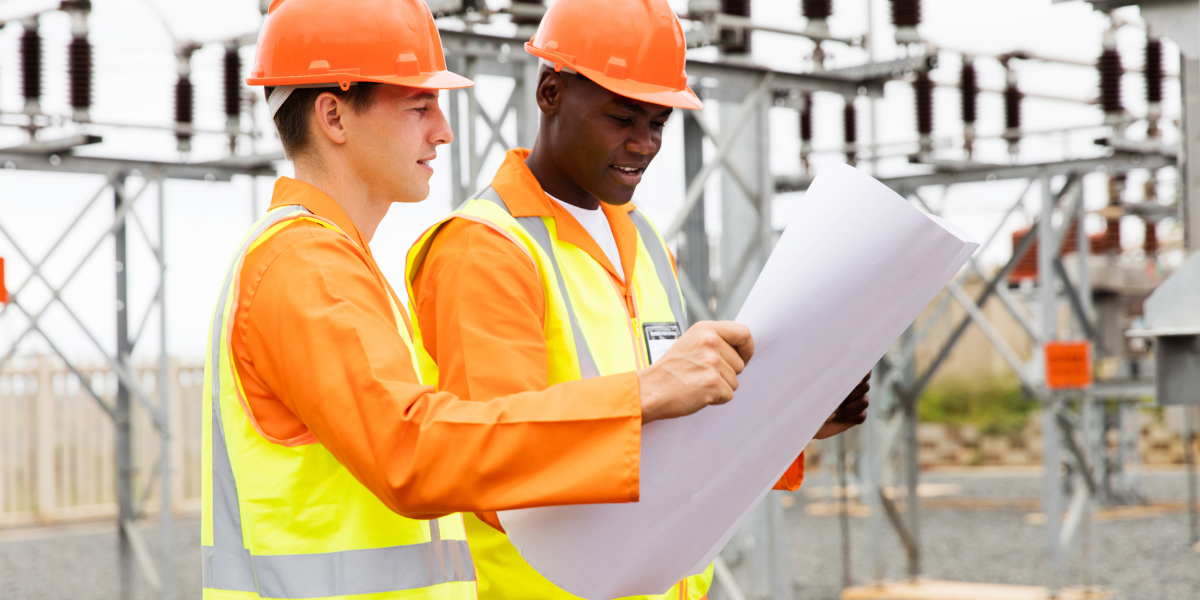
(328, 114)
(549, 93)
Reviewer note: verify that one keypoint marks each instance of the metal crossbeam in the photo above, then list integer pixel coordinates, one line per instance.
(1018, 253)
(69, 163)
(974, 267)
(1116, 163)
(724, 145)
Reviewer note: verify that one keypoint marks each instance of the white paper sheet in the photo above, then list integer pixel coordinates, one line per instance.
(854, 268)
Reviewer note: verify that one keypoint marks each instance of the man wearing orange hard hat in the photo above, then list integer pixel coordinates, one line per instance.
(329, 468)
(551, 275)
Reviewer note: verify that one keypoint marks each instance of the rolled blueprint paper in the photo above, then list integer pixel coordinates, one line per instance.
(855, 267)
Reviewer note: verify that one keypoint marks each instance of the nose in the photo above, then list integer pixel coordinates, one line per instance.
(440, 133)
(643, 141)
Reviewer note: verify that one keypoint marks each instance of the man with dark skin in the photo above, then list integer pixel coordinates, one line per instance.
(594, 145)
(482, 309)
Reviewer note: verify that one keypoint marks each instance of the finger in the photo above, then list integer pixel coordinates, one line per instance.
(853, 407)
(731, 357)
(861, 389)
(867, 377)
(736, 335)
(726, 372)
(724, 393)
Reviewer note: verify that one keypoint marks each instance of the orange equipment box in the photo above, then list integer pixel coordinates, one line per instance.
(1068, 365)
(3, 288)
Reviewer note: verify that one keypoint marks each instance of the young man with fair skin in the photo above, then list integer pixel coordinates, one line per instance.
(330, 468)
(551, 274)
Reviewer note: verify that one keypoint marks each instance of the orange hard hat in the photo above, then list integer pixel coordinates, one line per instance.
(306, 42)
(634, 48)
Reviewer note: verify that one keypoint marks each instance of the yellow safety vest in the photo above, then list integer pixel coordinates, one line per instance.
(281, 522)
(589, 332)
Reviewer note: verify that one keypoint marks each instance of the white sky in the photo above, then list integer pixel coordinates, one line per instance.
(135, 74)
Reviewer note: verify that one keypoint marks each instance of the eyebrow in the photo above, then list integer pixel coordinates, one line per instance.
(639, 109)
(423, 97)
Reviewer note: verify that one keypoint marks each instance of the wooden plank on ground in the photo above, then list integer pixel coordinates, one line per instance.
(929, 589)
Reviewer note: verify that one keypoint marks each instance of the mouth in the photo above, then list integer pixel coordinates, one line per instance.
(424, 162)
(628, 175)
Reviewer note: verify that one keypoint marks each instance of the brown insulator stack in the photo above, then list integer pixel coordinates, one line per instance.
(850, 131)
(1109, 66)
(79, 66)
(805, 131)
(184, 105)
(735, 41)
(923, 90)
(1012, 113)
(232, 87)
(969, 86)
(79, 58)
(1154, 85)
(1150, 241)
(906, 15)
(184, 97)
(31, 66)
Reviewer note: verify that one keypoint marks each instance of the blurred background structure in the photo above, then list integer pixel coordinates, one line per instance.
(1065, 136)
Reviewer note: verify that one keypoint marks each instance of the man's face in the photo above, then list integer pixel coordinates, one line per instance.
(389, 146)
(607, 140)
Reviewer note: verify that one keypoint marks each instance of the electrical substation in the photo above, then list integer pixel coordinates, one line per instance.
(1075, 278)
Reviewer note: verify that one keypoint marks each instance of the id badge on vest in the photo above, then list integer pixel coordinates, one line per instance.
(660, 337)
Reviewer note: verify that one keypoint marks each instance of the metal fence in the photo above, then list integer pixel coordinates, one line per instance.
(57, 446)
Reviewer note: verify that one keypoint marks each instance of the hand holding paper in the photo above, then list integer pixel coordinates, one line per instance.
(682, 381)
(854, 268)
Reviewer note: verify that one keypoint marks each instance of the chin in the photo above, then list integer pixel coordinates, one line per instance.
(616, 197)
(412, 196)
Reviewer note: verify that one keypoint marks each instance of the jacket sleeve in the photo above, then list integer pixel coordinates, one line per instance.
(793, 477)
(322, 336)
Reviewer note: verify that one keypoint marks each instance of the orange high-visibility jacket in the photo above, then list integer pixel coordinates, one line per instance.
(479, 299)
(320, 358)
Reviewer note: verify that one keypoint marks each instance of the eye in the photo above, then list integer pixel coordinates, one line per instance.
(658, 124)
(622, 119)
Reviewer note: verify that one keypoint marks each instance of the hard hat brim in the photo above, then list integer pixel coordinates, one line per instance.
(438, 80)
(654, 94)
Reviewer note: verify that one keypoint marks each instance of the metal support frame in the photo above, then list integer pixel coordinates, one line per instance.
(897, 385)
(130, 331)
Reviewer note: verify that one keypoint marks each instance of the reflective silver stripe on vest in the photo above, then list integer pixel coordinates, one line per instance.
(352, 572)
(228, 565)
(537, 229)
(662, 264)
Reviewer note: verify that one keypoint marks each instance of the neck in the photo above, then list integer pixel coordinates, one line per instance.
(553, 180)
(350, 193)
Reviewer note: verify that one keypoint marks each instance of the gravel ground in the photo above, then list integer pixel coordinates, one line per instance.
(1140, 559)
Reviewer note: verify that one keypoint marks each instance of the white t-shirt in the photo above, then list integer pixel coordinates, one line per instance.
(595, 222)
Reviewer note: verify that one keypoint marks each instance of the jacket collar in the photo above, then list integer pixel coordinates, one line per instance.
(524, 196)
(290, 192)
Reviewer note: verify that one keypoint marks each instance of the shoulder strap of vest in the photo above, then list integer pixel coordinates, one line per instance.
(662, 263)
(537, 229)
